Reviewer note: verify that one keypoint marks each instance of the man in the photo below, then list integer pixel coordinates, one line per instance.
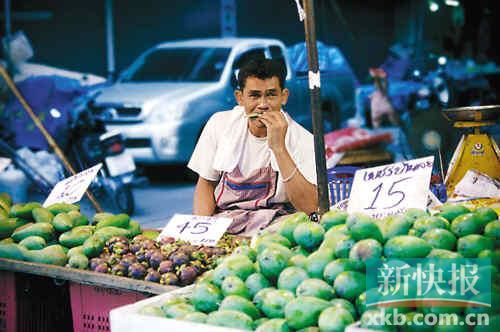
(254, 160)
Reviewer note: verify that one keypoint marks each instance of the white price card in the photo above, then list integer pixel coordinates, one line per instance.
(197, 230)
(4, 162)
(71, 190)
(391, 189)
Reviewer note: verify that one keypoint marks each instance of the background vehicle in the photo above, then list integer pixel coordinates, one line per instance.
(90, 144)
(162, 101)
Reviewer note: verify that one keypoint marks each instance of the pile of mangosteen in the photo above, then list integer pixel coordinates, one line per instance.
(169, 261)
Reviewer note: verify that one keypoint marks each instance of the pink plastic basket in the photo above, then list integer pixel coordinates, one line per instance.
(90, 305)
(7, 302)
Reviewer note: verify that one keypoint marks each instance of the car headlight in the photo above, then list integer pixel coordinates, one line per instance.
(167, 112)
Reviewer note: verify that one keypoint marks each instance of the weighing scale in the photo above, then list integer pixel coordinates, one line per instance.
(475, 150)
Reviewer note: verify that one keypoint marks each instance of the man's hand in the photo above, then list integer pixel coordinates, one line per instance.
(277, 126)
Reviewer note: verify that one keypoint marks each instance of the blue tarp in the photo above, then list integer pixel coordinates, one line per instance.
(43, 94)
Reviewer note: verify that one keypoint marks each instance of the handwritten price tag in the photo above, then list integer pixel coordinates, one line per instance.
(197, 230)
(391, 189)
(71, 190)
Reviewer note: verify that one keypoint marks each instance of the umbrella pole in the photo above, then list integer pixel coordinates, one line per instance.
(45, 133)
(317, 116)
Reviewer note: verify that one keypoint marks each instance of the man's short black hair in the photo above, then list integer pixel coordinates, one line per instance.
(262, 69)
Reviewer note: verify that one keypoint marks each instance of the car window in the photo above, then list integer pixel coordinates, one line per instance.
(197, 64)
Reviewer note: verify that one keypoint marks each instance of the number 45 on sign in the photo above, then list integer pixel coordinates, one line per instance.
(197, 230)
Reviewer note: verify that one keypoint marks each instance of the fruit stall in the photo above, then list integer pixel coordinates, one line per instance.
(300, 275)
(60, 270)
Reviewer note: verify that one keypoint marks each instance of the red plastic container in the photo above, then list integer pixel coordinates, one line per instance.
(7, 302)
(90, 305)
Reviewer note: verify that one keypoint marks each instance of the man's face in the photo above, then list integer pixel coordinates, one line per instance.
(260, 96)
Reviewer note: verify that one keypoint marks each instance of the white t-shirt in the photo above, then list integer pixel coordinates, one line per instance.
(226, 136)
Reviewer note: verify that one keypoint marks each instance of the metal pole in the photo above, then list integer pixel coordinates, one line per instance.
(317, 116)
(110, 40)
(7, 19)
(46, 134)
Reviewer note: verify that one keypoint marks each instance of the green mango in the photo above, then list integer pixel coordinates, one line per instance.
(334, 268)
(177, 310)
(133, 229)
(23, 210)
(275, 302)
(76, 236)
(92, 247)
(333, 218)
(304, 311)
(75, 251)
(78, 219)
(57, 208)
(62, 222)
(9, 225)
(206, 297)
(291, 277)
(6, 200)
(230, 318)
(274, 325)
(54, 254)
(41, 214)
(44, 230)
(121, 220)
(334, 319)
(349, 284)
(317, 288)
(406, 246)
(288, 225)
(195, 317)
(365, 250)
(451, 211)
(309, 235)
(232, 285)
(317, 261)
(78, 261)
(33, 242)
(241, 304)
(362, 227)
(106, 233)
(13, 251)
(471, 245)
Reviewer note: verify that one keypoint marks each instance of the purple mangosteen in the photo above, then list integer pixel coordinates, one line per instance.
(136, 271)
(169, 278)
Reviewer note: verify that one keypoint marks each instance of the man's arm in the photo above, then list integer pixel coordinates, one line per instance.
(204, 199)
(302, 194)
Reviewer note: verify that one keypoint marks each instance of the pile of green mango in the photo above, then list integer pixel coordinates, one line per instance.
(311, 276)
(58, 234)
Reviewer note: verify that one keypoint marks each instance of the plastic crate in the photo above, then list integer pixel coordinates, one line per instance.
(7, 301)
(90, 305)
(340, 182)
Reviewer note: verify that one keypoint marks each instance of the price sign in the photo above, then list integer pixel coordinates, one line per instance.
(391, 189)
(71, 190)
(197, 230)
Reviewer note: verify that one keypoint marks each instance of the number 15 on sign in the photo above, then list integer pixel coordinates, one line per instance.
(391, 189)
